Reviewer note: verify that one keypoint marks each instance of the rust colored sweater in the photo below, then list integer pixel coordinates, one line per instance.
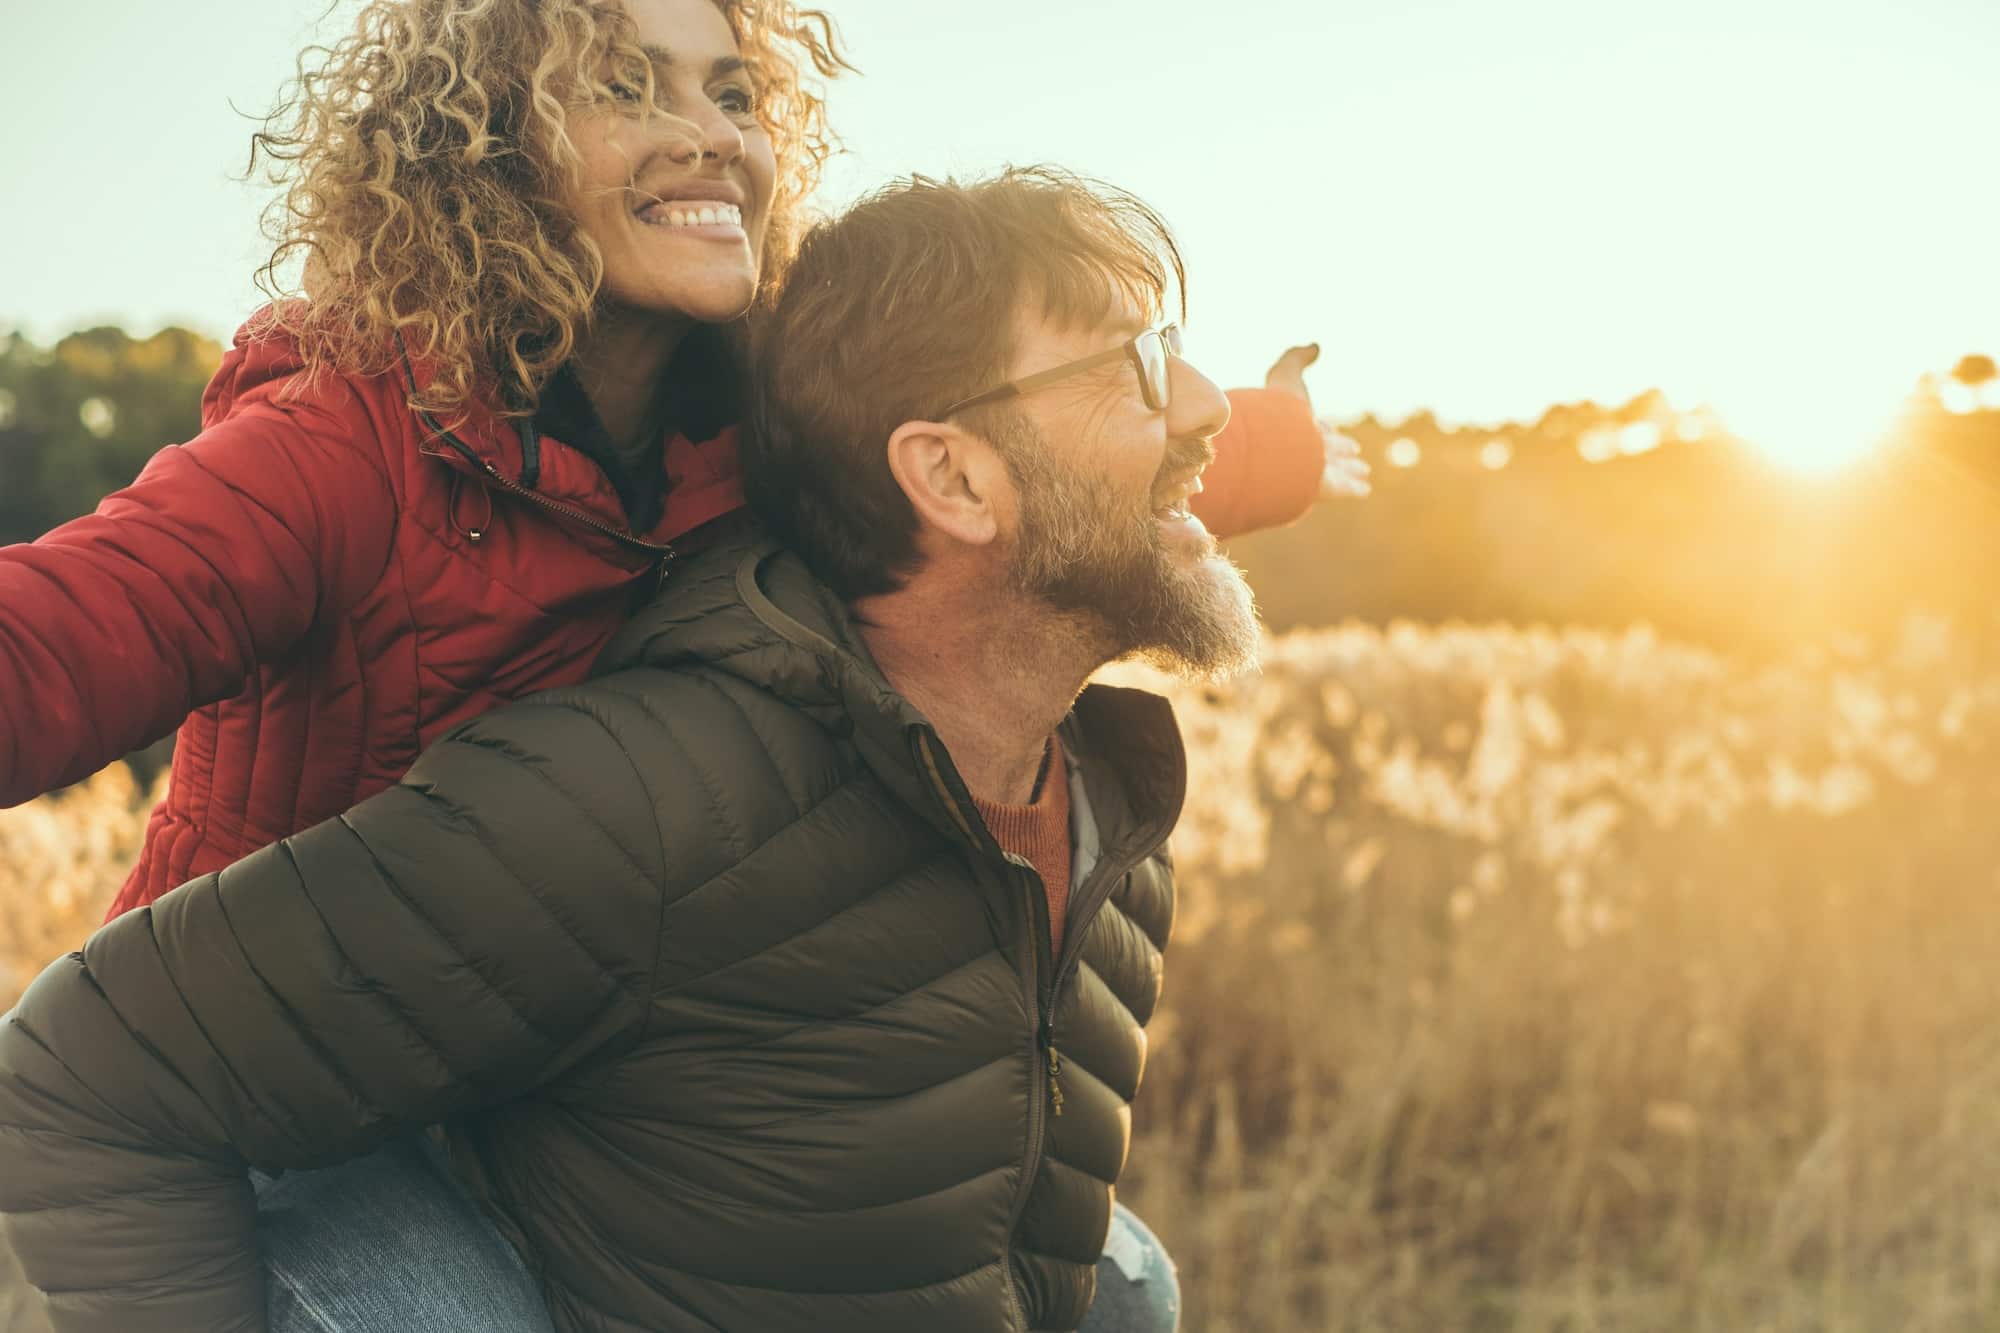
(1039, 832)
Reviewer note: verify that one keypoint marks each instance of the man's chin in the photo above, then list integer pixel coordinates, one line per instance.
(1185, 537)
(1171, 599)
(1207, 628)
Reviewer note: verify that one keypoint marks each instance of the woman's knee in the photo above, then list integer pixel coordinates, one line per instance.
(385, 1244)
(1138, 1290)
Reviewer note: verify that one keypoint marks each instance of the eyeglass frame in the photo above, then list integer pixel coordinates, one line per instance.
(1170, 347)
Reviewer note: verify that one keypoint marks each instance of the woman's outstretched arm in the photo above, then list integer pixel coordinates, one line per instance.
(1267, 467)
(1275, 460)
(218, 558)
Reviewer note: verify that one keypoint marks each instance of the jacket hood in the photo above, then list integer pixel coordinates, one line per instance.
(265, 358)
(702, 479)
(264, 355)
(260, 358)
(751, 608)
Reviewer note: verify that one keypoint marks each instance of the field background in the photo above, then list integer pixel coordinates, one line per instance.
(1596, 977)
(1530, 980)
(1590, 917)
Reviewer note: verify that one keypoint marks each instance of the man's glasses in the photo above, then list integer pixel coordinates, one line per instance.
(1149, 353)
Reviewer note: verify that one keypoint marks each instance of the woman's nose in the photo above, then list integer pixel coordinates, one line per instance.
(709, 132)
(1198, 406)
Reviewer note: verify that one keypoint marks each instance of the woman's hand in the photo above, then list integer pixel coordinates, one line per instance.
(1346, 473)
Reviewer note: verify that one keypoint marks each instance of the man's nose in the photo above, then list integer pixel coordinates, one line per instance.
(1198, 407)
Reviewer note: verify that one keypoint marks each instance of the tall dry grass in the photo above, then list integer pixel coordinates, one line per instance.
(1532, 981)
(1539, 981)
(61, 860)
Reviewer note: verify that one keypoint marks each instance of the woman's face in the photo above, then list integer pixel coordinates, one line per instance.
(679, 216)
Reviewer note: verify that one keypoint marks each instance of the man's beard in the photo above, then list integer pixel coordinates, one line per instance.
(1090, 553)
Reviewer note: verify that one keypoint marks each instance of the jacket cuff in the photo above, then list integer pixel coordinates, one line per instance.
(1268, 464)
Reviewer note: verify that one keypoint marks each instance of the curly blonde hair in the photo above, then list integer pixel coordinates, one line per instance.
(426, 164)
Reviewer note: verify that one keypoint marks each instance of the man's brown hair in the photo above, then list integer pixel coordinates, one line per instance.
(900, 307)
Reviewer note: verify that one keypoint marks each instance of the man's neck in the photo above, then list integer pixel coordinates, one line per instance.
(995, 677)
(620, 363)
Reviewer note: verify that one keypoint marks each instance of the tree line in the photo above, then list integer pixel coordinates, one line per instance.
(1592, 513)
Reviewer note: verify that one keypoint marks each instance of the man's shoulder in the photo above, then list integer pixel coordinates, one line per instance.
(695, 738)
(690, 704)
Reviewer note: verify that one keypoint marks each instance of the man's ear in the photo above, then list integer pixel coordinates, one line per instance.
(955, 481)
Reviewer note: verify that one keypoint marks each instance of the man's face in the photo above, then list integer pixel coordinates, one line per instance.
(1101, 526)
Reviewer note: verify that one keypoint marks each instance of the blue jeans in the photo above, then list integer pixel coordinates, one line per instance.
(389, 1243)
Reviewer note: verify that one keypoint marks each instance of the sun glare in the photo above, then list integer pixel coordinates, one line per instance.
(1815, 433)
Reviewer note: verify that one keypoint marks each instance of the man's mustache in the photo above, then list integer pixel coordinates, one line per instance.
(1185, 454)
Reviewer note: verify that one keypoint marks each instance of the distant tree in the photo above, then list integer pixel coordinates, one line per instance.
(1649, 405)
(1421, 426)
(1975, 370)
(80, 419)
(1563, 423)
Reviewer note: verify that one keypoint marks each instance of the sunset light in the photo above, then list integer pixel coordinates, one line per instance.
(624, 625)
(1817, 431)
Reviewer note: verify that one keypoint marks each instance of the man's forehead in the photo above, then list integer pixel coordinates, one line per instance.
(1036, 327)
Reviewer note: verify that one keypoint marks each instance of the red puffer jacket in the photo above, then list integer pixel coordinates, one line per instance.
(321, 584)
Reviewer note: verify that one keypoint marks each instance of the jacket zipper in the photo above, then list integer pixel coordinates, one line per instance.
(1087, 909)
(1045, 1070)
(1031, 994)
(1088, 906)
(1038, 1097)
(665, 553)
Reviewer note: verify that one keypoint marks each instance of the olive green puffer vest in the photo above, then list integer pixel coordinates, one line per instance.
(739, 1017)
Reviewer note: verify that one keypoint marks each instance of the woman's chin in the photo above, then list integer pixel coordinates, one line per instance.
(715, 302)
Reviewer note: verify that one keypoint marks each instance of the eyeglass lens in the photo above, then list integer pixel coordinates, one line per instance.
(1154, 349)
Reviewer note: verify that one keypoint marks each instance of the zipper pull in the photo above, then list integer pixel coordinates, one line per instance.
(666, 564)
(1055, 1066)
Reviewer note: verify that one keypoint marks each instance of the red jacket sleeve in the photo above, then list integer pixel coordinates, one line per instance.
(219, 557)
(1267, 466)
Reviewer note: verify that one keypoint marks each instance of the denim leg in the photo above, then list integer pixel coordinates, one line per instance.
(389, 1243)
(1137, 1288)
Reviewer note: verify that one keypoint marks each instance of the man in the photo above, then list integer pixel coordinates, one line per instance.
(792, 974)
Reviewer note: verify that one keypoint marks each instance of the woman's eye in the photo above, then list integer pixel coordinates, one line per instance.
(624, 92)
(737, 101)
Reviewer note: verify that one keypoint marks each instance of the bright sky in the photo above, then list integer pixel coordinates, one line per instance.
(1480, 207)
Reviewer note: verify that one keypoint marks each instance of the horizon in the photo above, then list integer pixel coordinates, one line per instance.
(1486, 213)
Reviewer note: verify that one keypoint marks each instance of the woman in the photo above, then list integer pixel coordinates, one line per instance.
(438, 480)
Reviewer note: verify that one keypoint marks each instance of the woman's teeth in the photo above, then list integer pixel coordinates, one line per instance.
(705, 215)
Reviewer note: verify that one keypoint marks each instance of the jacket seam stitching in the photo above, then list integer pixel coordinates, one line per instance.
(739, 846)
(659, 883)
(300, 1031)
(875, 1008)
(387, 998)
(103, 1104)
(720, 968)
(706, 680)
(505, 749)
(726, 1203)
(415, 909)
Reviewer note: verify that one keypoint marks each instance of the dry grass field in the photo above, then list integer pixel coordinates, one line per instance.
(1532, 981)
